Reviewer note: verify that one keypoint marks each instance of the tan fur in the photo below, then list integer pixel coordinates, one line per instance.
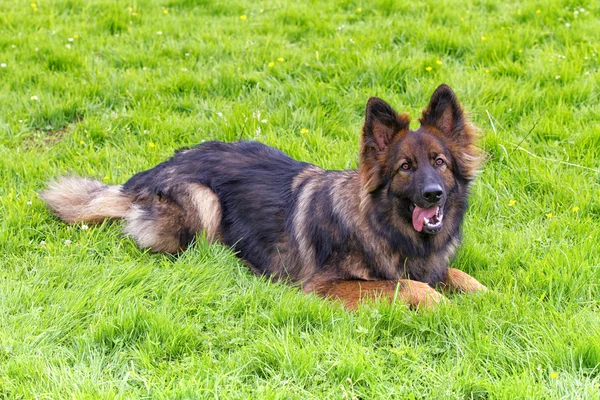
(208, 209)
(352, 292)
(75, 199)
(462, 282)
(158, 233)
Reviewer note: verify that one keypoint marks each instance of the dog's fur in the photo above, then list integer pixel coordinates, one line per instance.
(343, 234)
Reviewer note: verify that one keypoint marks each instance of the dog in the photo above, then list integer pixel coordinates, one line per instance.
(388, 229)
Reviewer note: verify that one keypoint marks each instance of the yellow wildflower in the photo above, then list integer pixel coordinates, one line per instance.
(165, 11)
(271, 64)
(359, 9)
(538, 11)
(483, 38)
(554, 375)
(575, 209)
(428, 68)
(280, 59)
(304, 131)
(152, 145)
(549, 215)
(512, 203)
(439, 62)
(243, 17)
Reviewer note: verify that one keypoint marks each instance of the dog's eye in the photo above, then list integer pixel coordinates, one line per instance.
(405, 167)
(439, 162)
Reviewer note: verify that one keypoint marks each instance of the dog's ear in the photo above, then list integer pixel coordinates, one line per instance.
(444, 112)
(382, 125)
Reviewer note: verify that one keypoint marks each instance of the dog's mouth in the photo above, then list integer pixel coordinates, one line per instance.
(428, 220)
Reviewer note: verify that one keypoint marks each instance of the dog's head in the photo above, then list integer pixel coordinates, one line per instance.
(420, 176)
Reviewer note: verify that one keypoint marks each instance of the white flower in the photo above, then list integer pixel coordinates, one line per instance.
(557, 77)
(67, 242)
(159, 33)
(70, 39)
(68, 46)
(43, 243)
(3, 65)
(187, 54)
(568, 25)
(29, 203)
(184, 69)
(84, 227)
(35, 98)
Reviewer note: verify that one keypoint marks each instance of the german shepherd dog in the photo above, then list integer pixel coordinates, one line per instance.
(388, 229)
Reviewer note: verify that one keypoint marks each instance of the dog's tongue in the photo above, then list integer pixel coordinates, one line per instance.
(419, 215)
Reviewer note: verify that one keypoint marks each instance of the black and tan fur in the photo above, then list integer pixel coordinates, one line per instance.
(344, 234)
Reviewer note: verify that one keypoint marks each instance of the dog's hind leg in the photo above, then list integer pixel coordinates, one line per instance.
(351, 292)
(74, 199)
(170, 223)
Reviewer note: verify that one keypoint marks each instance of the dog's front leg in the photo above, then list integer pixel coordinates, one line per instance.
(460, 281)
(351, 292)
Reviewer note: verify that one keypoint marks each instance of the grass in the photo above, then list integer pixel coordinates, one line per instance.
(108, 88)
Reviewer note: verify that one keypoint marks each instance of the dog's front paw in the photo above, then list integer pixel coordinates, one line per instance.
(420, 295)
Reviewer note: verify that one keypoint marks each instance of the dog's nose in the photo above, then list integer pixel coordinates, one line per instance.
(433, 193)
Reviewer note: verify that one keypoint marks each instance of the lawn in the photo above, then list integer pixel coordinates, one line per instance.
(108, 88)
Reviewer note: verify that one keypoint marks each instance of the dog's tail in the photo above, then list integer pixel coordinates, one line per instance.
(74, 199)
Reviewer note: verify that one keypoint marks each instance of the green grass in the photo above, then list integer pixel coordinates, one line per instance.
(86, 314)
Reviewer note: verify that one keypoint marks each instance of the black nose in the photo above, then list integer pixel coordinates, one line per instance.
(433, 192)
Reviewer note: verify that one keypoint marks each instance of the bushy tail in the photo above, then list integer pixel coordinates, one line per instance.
(74, 199)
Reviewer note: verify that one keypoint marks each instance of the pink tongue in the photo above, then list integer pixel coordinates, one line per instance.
(419, 215)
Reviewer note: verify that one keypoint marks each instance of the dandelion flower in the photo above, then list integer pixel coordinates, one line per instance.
(304, 131)
(487, 71)
(134, 14)
(575, 209)
(538, 11)
(81, 142)
(152, 145)
(439, 62)
(106, 178)
(271, 64)
(75, 36)
(512, 203)
(554, 375)
(483, 38)
(428, 68)
(33, 5)
(462, 19)
(549, 215)
(243, 17)
(165, 11)
(359, 9)
(35, 98)
(280, 59)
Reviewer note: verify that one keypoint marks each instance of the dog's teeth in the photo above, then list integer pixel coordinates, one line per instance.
(426, 221)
